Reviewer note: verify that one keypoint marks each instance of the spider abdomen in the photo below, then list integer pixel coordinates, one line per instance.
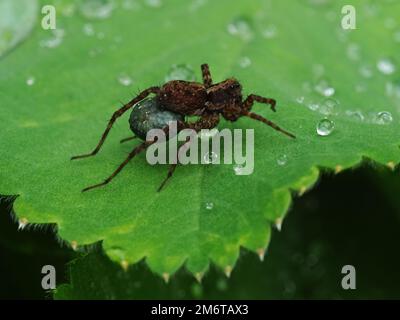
(148, 114)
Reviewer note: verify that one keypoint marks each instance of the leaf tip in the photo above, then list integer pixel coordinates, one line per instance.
(261, 253)
(74, 245)
(166, 276)
(125, 265)
(199, 276)
(228, 271)
(302, 190)
(278, 224)
(338, 169)
(391, 165)
(22, 224)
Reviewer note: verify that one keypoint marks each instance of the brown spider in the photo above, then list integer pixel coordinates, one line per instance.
(207, 100)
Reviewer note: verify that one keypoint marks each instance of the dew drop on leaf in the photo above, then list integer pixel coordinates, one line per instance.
(282, 160)
(244, 62)
(124, 79)
(55, 40)
(355, 115)
(154, 3)
(180, 72)
(270, 32)
(300, 99)
(386, 66)
(209, 205)
(324, 88)
(325, 127)
(238, 169)
(366, 71)
(88, 29)
(241, 27)
(30, 81)
(96, 9)
(384, 117)
(328, 106)
(210, 157)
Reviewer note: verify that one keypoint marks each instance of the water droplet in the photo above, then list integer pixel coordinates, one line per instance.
(282, 160)
(325, 127)
(300, 99)
(313, 106)
(30, 81)
(154, 3)
(196, 4)
(180, 72)
(355, 115)
(241, 27)
(88, 29)
(55, 40)
(270, 32)
(324, 88)
(328, 106)
(130, 5)
(386, 66)
(244, 62)
(209, 205)
(383, 117)
(366, 71)
(210, 157)
(67, 9)
(96, 9)
(238, 169)
(124, 79)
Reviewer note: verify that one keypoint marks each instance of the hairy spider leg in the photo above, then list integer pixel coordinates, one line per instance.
(207, 80)
(256, 116)
(141, 147)
(208, 121)
(138, 149)
(115, 116)
(248, 103)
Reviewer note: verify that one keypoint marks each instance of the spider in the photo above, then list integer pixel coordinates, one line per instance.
(206, 100)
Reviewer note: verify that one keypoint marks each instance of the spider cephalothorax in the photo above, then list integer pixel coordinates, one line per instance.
(206, 100)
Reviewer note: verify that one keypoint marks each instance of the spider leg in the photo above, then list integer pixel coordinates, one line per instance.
(256, 116)
(173, 166)
(207, 80)
(141, 147)
(115, 116)
(208, 121)
(127, 139)
(248, 103)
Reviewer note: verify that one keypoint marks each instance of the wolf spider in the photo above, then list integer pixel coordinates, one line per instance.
(206, 100)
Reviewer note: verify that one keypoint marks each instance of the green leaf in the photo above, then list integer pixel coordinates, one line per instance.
(305, 259)
(289, 44)
(17, 18)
